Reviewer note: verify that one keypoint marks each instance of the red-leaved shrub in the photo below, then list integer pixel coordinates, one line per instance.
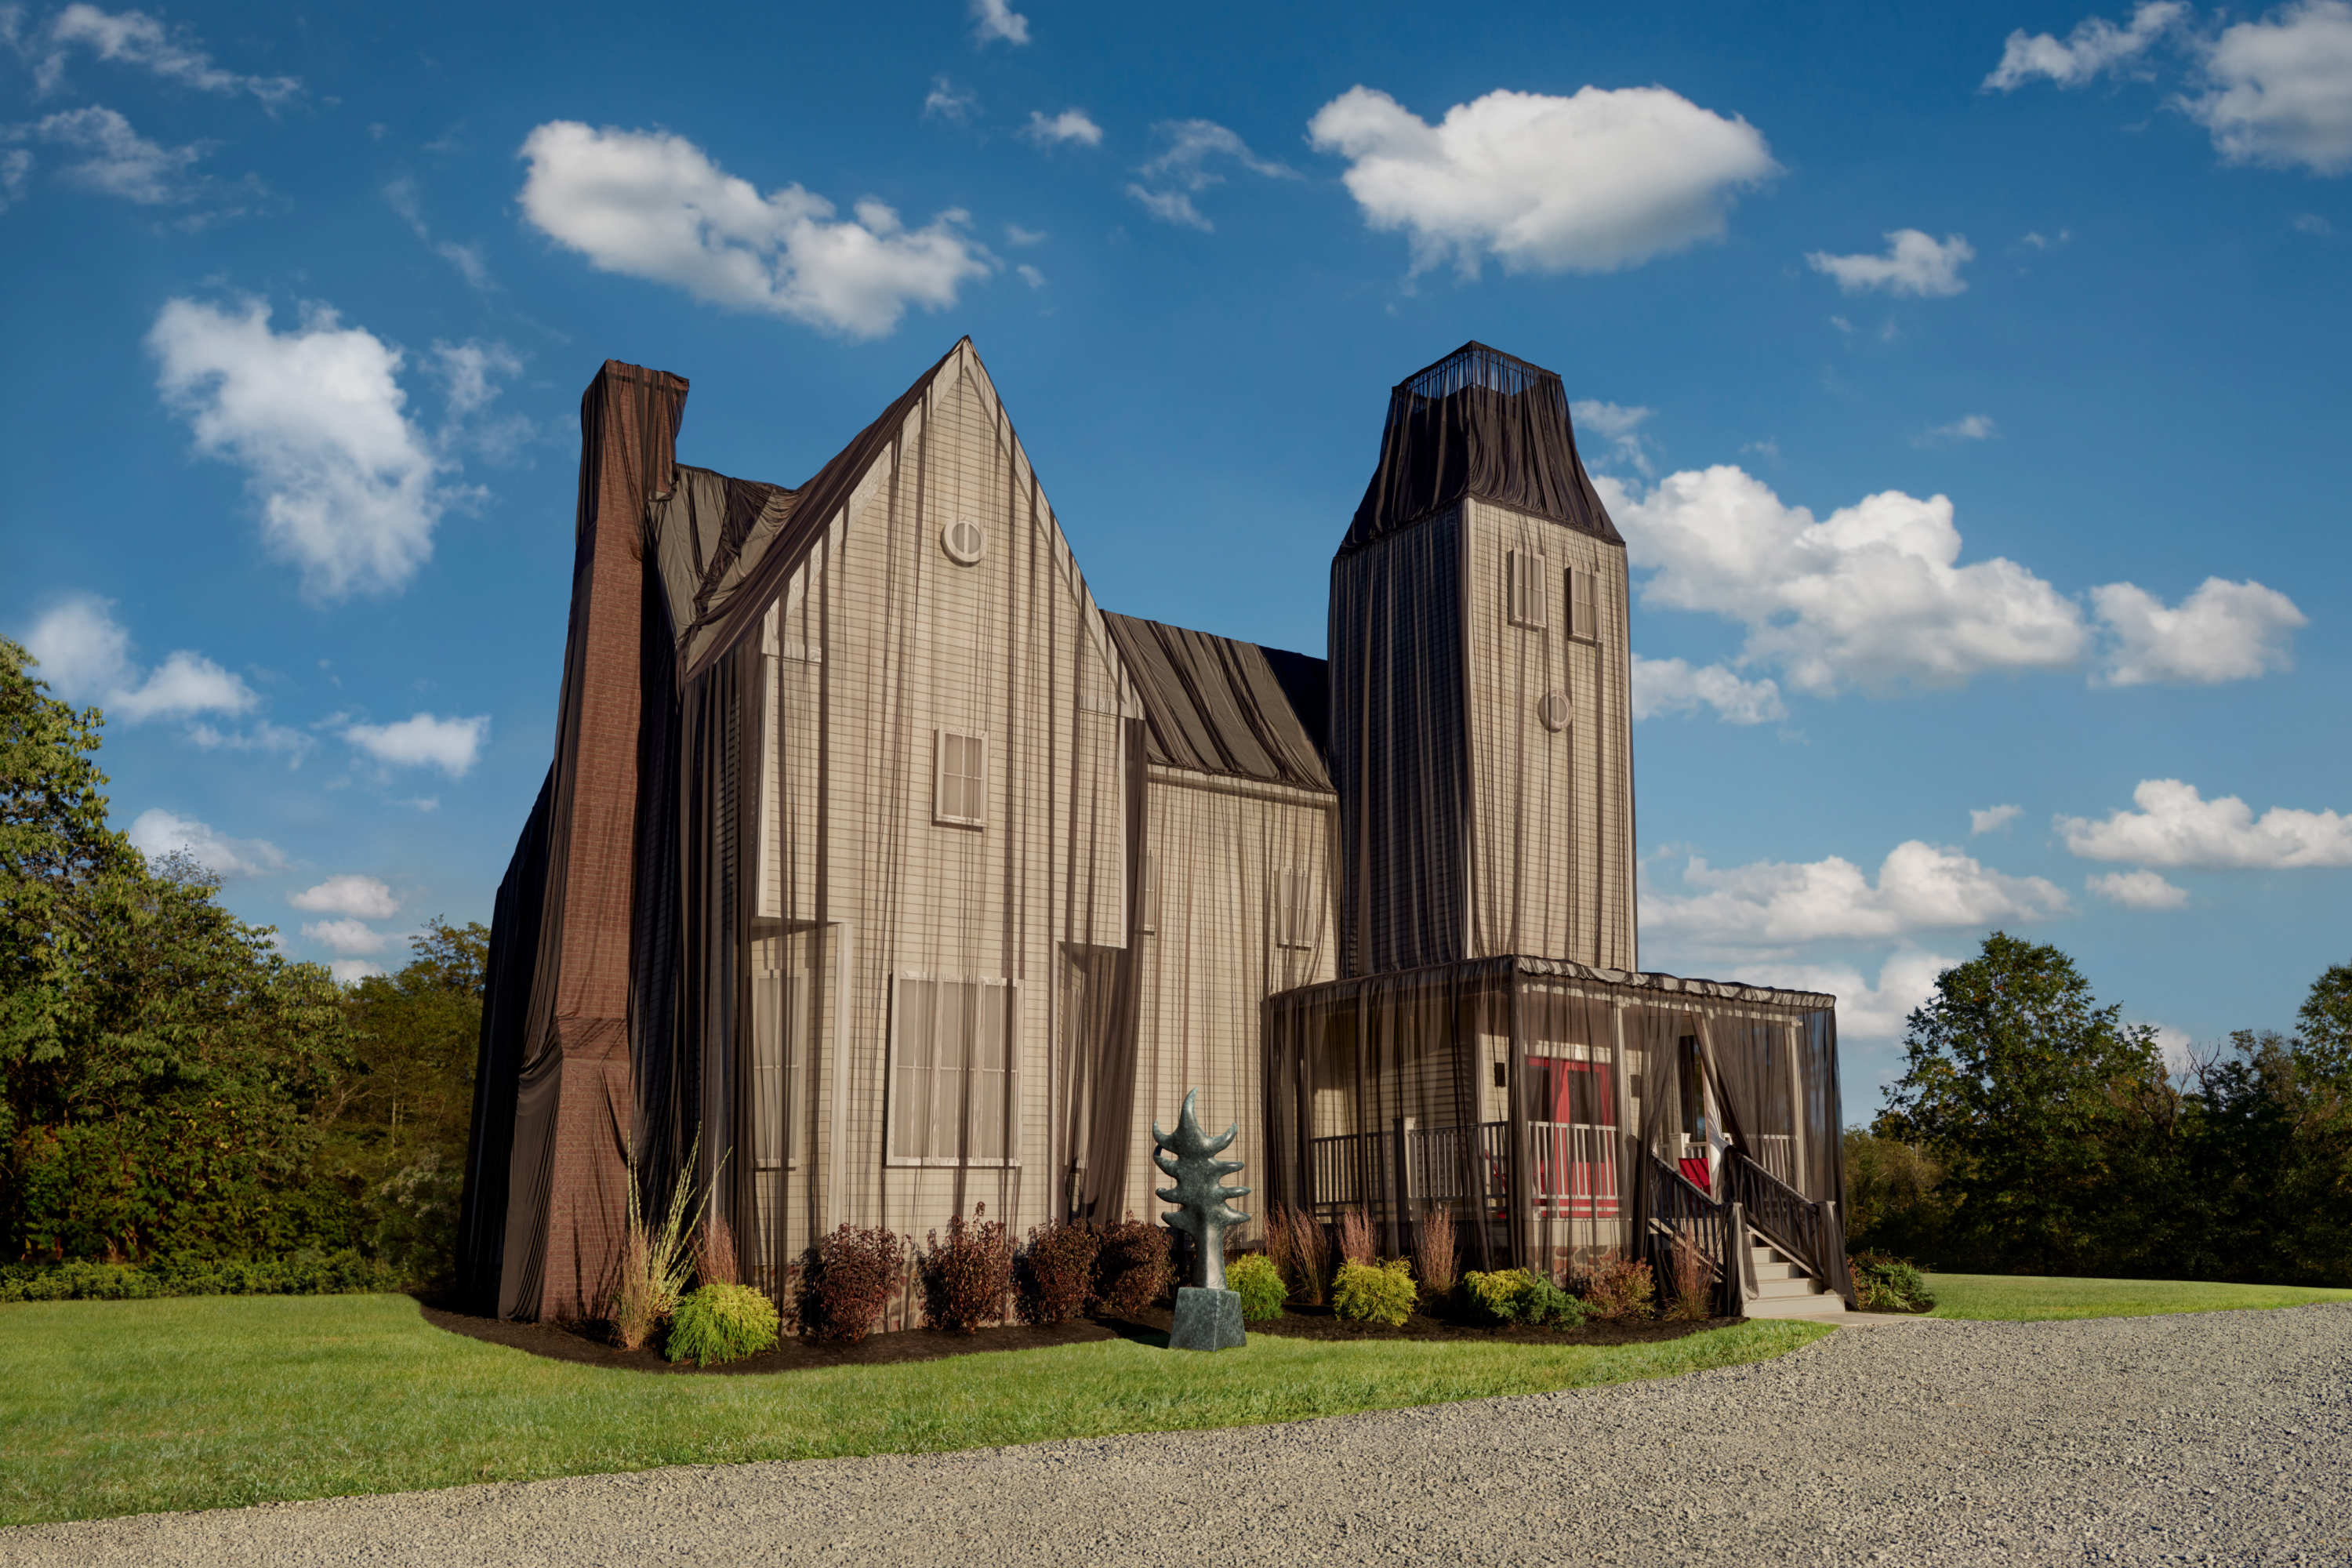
(1131, 1270)
(1055, 1271)
(1295, 1240)
(1693, 1296)
(1619, 1288)
(967, 1277)
(846, 1279)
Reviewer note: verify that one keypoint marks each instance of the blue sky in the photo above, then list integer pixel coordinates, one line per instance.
(1969, 382)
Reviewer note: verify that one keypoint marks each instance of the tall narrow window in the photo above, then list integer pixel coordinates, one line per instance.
(1529, 586)
(1583, 618)
(961, 794)
(955, 1074)
(1148, 917)
(779, 1005)
(1294, 913)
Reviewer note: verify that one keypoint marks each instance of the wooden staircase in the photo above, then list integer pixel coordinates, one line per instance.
(1785, 1288)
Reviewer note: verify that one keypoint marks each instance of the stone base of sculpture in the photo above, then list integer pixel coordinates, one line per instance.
(1207, 1321)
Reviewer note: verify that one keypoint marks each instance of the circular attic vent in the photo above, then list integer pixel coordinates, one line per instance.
(1553, 709)
(964, 540)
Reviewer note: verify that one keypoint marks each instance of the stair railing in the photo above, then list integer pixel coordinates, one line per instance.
(1807, 1231)
(1719, 1230)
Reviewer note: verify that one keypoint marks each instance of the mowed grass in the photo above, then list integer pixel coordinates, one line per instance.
(113, 1407)
(2020, 1298)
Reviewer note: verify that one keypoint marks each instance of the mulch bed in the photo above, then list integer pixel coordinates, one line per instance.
(588, 1344)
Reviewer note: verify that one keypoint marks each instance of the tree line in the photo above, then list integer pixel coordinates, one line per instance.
(2034, 1131)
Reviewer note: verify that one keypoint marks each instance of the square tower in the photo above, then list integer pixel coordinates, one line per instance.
(1482, 685)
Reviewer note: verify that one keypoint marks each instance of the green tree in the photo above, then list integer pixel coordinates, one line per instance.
(2055, 1120)
(2323, 1040)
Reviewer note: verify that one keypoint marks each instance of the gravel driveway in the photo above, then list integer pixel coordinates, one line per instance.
(2218, 1438)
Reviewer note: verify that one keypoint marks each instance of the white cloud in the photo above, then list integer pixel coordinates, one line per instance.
(452, 744)
(1592, 183)
(134, 38)
(1914, 263)
(1967, 428)
(994, 19)
(467, 258)
(1070, 125)
(1993, 819)
(122, 163)
(1617, 425)
(2279, 90)
(316, 417)
(1015, 234)
(948, 102)
(1031, 276)
(1865, 1012)
(1672, 686)
(350, 971)
(2223, 631)
(1771, 904)
(349, 894)
(2174, 825)
(2096, 45)
(158, 833)
(2137, 891)
(1188, 166)
(15, 172)
(85, 656)
(1871, 596)
(1170, 206)
(346, 937)
(652, 205)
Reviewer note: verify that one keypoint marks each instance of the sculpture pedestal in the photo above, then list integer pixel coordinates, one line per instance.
(1207, 1321)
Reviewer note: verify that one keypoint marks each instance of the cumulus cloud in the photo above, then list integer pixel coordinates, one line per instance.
(652, 205)
(2097, 46)
(1865, 1012)
(2173, 825)
(996, 19)
(2223, 631)
(1873, 595)
(347, 485)
(1592, 183)
(120, 161)
(135, 38)
(1772, 904)
(158, 833)
(345, 937)
(85, 656)
(452, 744)
(1672, 686)
(949, 102)
(2279, 90)
(1070, 125)
(1171, 208)
(349, 894)
(1967, 428)
(1914, 263)
(1197, 153)
(351, 970)
(1993, 819)
(2137, 891)
(1617, 425)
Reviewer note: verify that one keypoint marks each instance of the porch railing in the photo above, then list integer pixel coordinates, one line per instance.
(1572, 1167)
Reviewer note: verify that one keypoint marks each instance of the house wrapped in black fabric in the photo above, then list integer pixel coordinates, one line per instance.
(879, 873)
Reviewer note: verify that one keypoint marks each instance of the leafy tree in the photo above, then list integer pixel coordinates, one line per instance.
(2323, 1042)
(2054, 1119)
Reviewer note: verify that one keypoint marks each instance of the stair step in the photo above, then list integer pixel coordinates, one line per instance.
(1803, 1285)
(1794, 1306)
(1780, 1270)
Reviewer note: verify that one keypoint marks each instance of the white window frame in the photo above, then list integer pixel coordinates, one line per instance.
(1147, 918)
(942, 803)
(1527, 581)
(1583, 606)
(1003, 996)
(1294, 909)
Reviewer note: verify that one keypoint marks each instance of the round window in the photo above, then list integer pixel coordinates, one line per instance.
(964, 540)
(1553, 709)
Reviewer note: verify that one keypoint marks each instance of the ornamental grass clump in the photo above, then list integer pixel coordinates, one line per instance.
(1298, 1246)
(1694, 1297)
(1432, 1253)
(1131, 1271)
(1358, 1241)
(1619, 1289)
(714, 1254)
(656, 1260)
(846, 1279)
(1259, 1284)
(716, 1323)
(1885, 1284)
(1375, 1292)
(967, 1277)
(1054, 1274)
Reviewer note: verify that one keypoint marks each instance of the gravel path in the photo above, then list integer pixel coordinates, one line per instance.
(2218, 1437)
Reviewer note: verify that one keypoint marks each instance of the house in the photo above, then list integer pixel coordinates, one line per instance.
(880, 873)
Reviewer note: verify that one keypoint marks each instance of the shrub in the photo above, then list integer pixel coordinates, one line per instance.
(1545, 1305)
(1619, 1289)
(1515, 1296)
(1375, 1293)
(1056, 1272)
(1884, 1284)
(302, 1274)
(1694, 1283)
(1131, 1270)
(1259, 1284)
(1433, 1252)
(1497, 1292)
(1298, 1246)
(1358, 1243)
(721, 1323)
(967, 1277)
(846, 1279)
(656, 1260)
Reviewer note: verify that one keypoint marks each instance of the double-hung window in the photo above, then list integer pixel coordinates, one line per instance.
(1147, 918)
(1531, 587)
(1294, 909)
(960, 791)
(955, 1072)
(1583, 616)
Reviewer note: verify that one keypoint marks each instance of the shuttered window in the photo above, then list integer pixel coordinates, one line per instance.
(1583, 618)
(955, 1077)
(1294, 913)
(1529, 586)
(961, 794)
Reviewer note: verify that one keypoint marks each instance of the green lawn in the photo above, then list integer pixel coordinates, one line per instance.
(112, 1407)
(2022, 1298)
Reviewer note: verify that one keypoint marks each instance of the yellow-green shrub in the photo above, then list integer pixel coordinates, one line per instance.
(1369, 1293)
(1259, 1284)
(720, 1323)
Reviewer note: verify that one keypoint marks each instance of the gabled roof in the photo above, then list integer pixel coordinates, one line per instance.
(1214, 705)
(1479, 423)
